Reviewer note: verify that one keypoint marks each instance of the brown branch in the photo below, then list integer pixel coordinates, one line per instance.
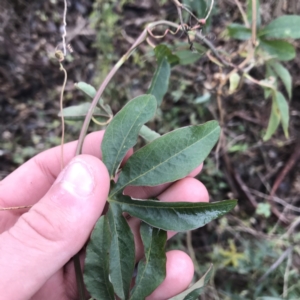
(254, 21)
(288, 167)
(245, 189)
(243, 13)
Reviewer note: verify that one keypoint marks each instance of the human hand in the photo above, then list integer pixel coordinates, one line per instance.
(36, 245)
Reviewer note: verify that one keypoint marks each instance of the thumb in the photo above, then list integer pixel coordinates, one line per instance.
(46, 237)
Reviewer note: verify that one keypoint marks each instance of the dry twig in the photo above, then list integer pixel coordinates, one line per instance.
(64, 34)
(288, 167)
(15, 208)
(243, 13)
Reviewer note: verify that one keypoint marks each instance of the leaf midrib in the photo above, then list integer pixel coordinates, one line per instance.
(108, 284)
(155, 167)
(124, 140)
(146, 264)
(119, 261)
(156, 77)
(161, 204)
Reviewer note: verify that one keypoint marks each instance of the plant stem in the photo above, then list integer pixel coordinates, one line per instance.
(254, 21)
(79, 277)
(287, 274)
(100, 91)
(205, 41)
(64, 35)
(84, 129)
(111, 74)
(180, 7)
(210, 9)
(62, 115)
(244, 15)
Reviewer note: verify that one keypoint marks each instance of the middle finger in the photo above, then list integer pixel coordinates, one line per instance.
(185, 190)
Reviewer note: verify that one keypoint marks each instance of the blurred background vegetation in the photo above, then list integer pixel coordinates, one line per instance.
(255, 249)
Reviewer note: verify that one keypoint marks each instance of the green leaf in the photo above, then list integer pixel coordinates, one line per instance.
(263, 209)
(270, 76)
(151, 270)
(195, 290)
(175, 216)
(273, 121)
(96, 269)
(198, 6)
(122, 132)
(249, 12)
(283, 108)
(203, 99)
(86, 88)
(91, 92)
(78, 112)
(283, 27)
(148, 135)
(269, 298)
(201, 49)
(239, 31)
(160, 82)
(163, 51)
(188, 57)
(170, 157)
(234, 80)
(279, 49)
(284, 75)
(122, 252)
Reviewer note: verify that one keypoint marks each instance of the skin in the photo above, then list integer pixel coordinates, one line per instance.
(36, 245)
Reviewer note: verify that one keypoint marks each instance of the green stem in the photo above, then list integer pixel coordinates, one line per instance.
(103, 86)
(254, 21)
(79, 277)
(201, 37)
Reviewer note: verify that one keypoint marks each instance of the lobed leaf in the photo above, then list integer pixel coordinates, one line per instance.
(284, 75)
(175, 216)
(195, 290)
(122, 132)
(122, 252)
(96, 270)
(151, 270)
(283, 27)
(170, 157)
(279, 49)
